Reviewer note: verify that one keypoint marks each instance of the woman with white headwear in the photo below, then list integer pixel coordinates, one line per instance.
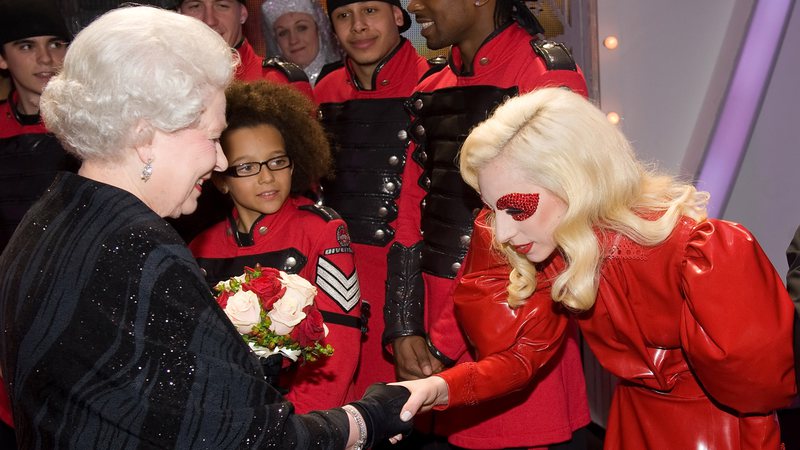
(299, 30)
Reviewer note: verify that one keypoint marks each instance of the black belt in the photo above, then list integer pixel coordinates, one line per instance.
(342, 319)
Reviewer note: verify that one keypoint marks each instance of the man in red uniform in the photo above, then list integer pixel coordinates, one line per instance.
(496, 53)
(33, 42)
(361, 106)
(227, 17)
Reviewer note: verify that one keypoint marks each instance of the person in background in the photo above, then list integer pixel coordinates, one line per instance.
(299, 31)
(361, 107)
(276, 151)
(33, 42)
(111, 337)
(227, 17)
(686, 310)
(496, 53)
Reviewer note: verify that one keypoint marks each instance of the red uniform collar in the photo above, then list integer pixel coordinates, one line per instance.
(14, 123)
(393, 66)
(497, 46)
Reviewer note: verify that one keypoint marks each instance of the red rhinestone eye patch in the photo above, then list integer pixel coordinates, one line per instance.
(518, 206)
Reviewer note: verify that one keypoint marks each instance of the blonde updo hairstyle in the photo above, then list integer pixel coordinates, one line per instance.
(130, 72)
(565, 144)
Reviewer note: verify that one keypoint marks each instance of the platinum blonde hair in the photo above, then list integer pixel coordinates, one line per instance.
(565, 144)
(130, 72)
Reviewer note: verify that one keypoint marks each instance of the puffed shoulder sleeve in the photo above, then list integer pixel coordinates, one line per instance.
(736, 324)
(511, 344)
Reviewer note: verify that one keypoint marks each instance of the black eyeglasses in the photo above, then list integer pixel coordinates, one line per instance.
(249, 169)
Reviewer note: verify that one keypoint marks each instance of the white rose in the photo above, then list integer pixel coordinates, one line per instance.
(286, 313)
(298, 286)
(244, 310)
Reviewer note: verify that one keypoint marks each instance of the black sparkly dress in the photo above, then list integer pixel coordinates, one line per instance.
(112, 339)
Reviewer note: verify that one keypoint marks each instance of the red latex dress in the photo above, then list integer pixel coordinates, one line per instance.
(698, 329)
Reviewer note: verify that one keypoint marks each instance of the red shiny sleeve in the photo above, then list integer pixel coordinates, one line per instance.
(512, 345)
(444, 331)
(737, 318)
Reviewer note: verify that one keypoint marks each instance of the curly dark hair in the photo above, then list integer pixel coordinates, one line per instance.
(291, 113)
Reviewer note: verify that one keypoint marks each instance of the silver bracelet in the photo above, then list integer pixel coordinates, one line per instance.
(362, 427)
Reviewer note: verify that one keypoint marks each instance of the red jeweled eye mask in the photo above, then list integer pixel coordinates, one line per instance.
(518, 206)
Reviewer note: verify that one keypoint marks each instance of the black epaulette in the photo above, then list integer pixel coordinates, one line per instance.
(328, 68)
(555, 54)
(323, 211)
(436, 63)
(292, 71)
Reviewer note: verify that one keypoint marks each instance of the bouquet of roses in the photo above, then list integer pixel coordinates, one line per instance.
(275, 313)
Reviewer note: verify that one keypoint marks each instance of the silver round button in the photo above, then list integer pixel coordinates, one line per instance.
(423, 156)
(455, 267)
(484, 61)
(418, 103)
(464, 239)
(382, 211)
(379, 234)
(389, 186)
(427, 182)
(291, 261)
(384, 82)
(420, 130)
(394, 160)
(262, 230)
(402, 135)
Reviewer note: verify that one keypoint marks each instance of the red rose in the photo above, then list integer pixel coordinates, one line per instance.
(267, 287)
(222, 299)
(311, 329)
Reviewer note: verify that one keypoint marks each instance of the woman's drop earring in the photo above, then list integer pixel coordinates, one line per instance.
(147, 172)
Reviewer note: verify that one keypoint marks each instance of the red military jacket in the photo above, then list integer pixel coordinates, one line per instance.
(394, 78)
(251, 68)
(506, 59)
(317, 246)
(704, 308)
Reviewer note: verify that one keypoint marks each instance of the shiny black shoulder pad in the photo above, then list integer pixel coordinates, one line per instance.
(292, 71)
(555, 54)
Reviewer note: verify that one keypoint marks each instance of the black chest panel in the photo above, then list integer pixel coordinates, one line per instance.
(369, 140)
(289, 260)
(443, 119)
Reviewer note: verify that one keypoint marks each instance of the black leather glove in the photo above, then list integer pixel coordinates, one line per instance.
(380, 407)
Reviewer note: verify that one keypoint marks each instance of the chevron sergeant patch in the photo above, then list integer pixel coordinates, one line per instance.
(343, 289)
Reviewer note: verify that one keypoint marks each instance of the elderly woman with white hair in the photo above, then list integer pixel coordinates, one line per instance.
(111, 337)
(300, 31)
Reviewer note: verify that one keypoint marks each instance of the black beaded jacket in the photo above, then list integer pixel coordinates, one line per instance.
(112, 338)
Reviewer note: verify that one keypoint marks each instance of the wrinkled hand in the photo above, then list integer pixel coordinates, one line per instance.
(412, 359)
(425, 394)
